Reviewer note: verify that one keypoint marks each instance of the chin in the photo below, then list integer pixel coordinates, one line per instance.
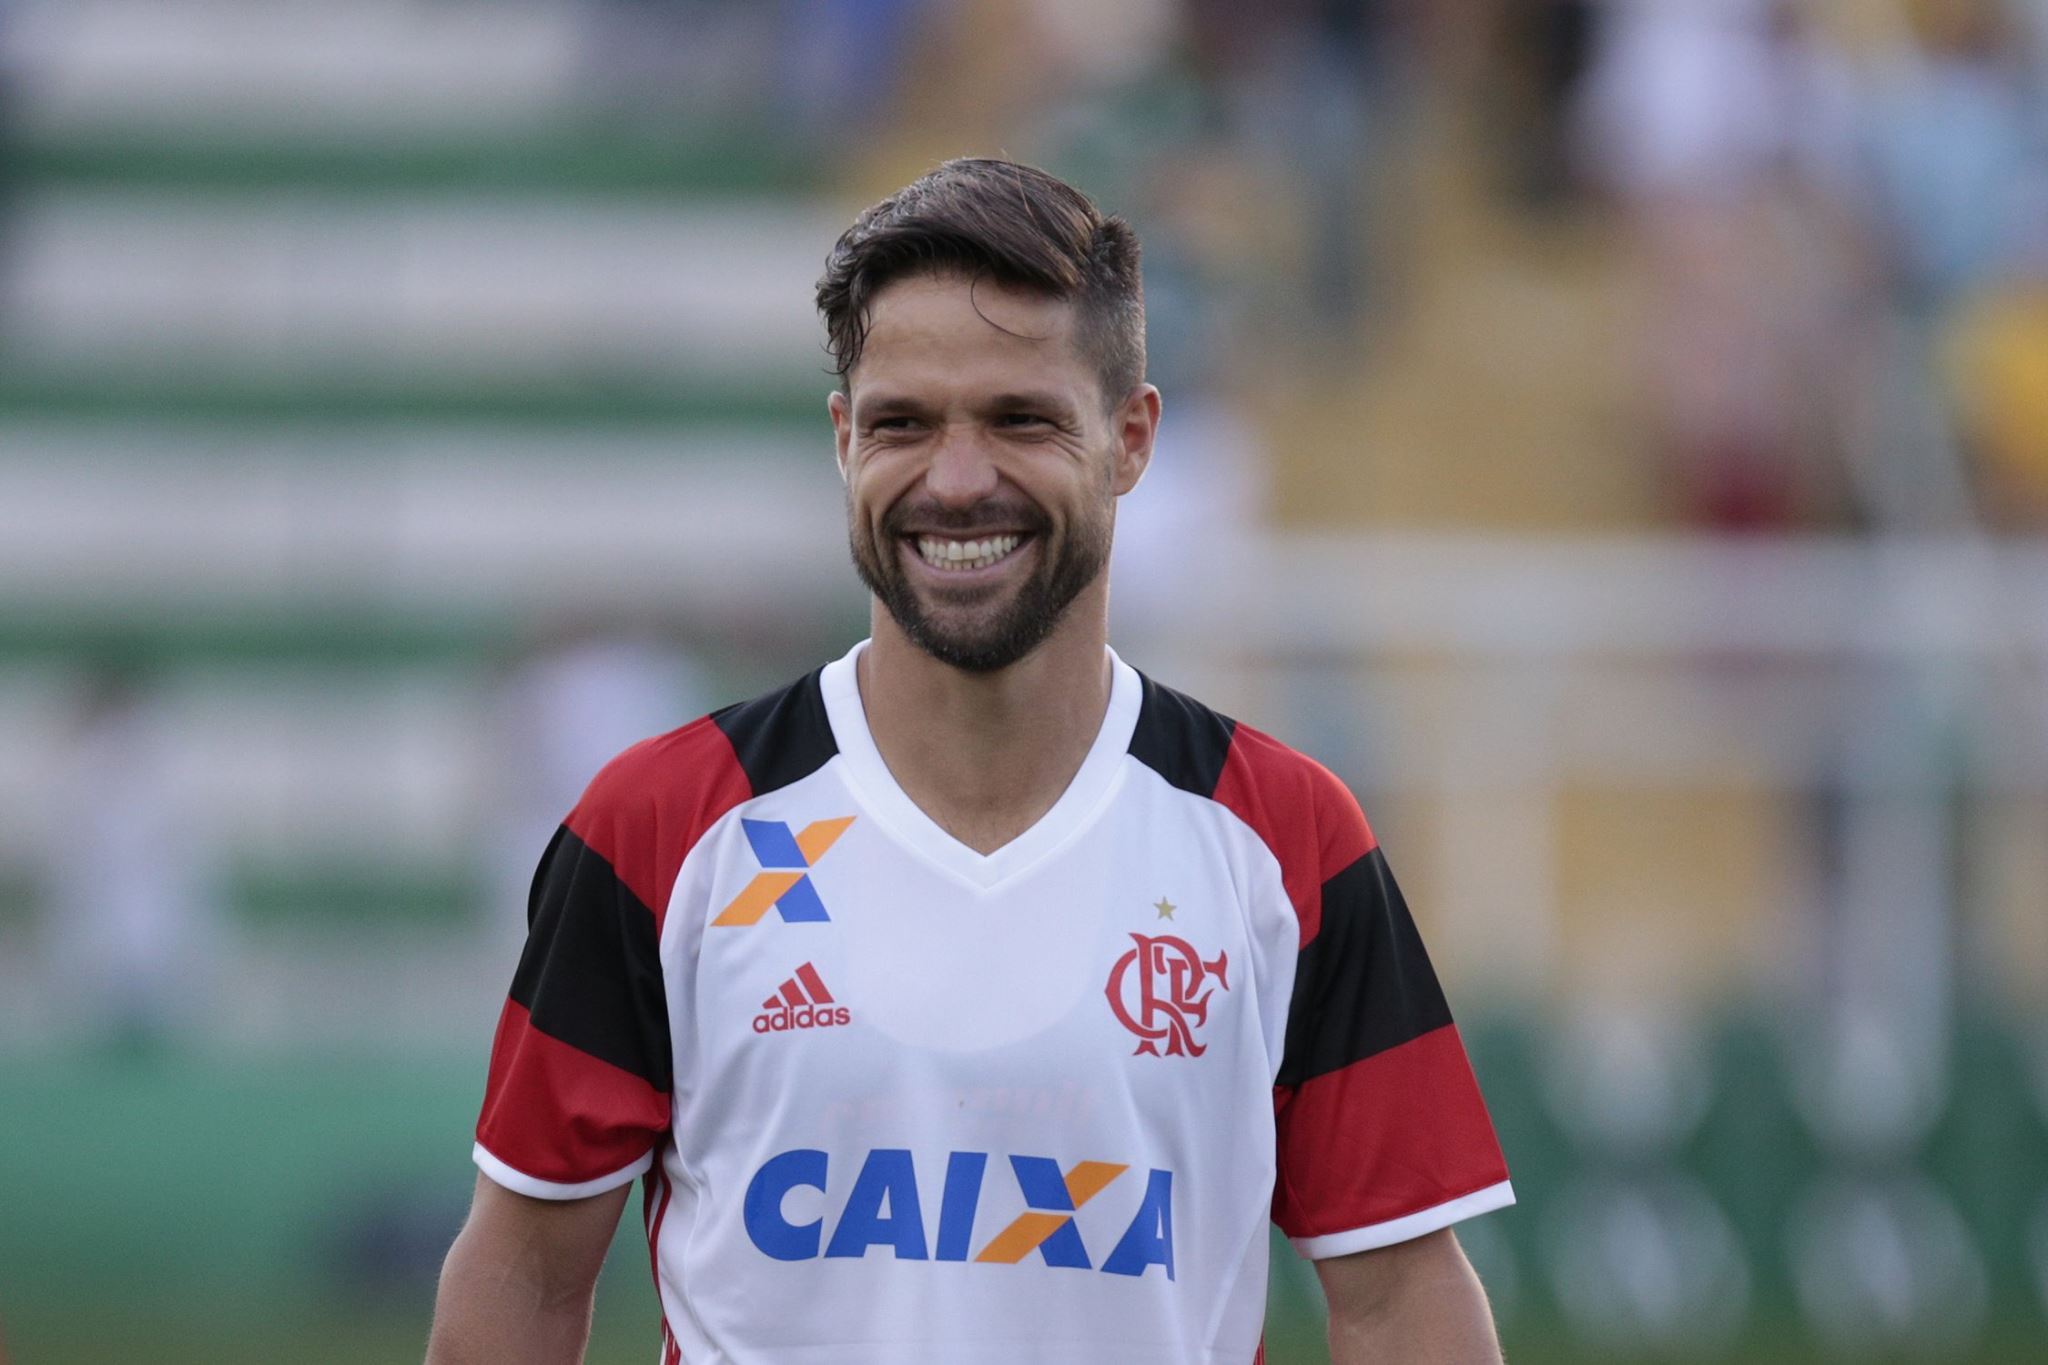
(973, 656)
(978, 650)
(985, 646)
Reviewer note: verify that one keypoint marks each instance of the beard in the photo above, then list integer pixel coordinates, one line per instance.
(985, 635)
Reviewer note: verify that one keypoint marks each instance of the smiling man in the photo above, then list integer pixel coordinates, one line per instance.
(975, 998)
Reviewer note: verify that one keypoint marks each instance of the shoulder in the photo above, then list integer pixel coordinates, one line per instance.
(648, 806)
(688, 765)
(1203, 751)
(1302, 811)
(756, 745)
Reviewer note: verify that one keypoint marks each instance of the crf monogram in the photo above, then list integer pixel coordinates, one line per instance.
(1160, 991)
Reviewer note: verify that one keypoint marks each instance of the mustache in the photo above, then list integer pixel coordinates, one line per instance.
(990, 515)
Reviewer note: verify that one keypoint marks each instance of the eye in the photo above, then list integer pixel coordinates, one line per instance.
(1023, 419)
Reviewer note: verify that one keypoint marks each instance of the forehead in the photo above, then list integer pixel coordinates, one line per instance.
(942, 332)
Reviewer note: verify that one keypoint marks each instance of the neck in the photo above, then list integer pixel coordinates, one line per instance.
(987, 754)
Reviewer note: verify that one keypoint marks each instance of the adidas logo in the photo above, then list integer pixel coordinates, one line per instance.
(803, 1002)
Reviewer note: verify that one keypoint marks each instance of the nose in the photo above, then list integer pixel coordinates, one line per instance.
(961, 472)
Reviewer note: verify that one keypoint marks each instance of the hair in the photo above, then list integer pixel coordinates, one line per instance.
(1007, 222)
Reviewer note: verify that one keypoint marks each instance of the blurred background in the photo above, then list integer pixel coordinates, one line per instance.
(1613, 435)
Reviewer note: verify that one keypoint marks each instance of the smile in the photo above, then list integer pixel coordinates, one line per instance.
(961, 555)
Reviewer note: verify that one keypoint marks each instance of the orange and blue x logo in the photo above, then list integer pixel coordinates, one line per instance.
(785, 885)
(1048, 1228)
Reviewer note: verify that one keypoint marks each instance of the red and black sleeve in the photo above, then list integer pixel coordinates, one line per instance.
(578, 1096)
(581, 1075)
(1381, 1131)
(581, 1069)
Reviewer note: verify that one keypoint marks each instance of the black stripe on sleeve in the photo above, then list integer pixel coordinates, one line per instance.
(781, 738)
(1364, 983)
(591, 972)
(1180, 739)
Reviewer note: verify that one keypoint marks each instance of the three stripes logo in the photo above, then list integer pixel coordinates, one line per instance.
(785, 884)
(802, 1002)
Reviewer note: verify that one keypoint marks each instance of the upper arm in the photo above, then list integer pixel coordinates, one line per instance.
(555, 1245)
(1415, 1301)
(1368, 1284)
(519, 1281)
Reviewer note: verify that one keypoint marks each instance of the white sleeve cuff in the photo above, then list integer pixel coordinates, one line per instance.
(1406, 1228)
(519, 1182)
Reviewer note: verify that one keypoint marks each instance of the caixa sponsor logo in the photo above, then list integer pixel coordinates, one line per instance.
(885, 1208)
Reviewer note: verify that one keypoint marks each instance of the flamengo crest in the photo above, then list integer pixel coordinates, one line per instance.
(1160, 991)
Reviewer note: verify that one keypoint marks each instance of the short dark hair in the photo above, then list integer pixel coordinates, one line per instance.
(1015, 224)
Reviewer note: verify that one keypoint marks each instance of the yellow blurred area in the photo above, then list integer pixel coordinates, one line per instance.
(1998, 361)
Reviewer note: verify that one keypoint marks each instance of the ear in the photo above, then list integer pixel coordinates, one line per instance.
(1136, 421)
(841, 409)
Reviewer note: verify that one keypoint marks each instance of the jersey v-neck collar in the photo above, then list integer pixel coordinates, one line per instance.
(876, 787)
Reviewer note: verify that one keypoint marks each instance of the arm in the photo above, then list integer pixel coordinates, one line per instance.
(1416, 1302)
(516, 1288)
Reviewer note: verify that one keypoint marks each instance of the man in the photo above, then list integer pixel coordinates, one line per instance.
(975, 999)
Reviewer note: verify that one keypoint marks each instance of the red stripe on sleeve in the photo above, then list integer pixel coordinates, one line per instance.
(1306, 816)
(559, 1114)
(1399, 1132)
(646, 808)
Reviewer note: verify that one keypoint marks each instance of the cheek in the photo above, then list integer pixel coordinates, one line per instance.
(871, 493)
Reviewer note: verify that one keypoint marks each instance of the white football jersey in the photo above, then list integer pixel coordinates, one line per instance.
(895, 1100)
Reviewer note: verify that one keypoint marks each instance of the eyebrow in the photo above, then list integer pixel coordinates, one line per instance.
(901, 405)
(890, 405)
(1049, 402)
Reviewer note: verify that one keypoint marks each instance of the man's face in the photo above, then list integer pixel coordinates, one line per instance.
(981, 466)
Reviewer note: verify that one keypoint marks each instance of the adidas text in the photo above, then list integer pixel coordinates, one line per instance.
(782, 1019)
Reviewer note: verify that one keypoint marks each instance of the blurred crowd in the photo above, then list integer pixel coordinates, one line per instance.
(1830, 216)
(1843, 210)
(1837, 210)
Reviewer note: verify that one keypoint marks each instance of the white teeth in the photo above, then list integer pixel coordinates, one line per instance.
(965, 554)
